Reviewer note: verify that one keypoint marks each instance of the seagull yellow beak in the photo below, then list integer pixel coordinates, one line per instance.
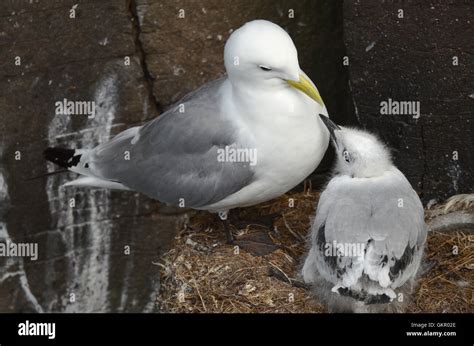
(307, 86)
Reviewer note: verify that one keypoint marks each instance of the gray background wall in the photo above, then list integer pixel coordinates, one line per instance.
(411, 59)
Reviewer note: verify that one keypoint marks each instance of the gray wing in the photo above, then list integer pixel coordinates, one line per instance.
(173, 158)
(386, 219)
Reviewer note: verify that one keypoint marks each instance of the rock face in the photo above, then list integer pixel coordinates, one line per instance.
(96, 247)
(417, 51)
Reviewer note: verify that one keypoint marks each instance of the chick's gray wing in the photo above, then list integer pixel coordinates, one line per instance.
(385, 220)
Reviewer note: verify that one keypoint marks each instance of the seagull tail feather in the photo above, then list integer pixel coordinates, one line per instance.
(348, 301)
(71, 159)
(65, 158)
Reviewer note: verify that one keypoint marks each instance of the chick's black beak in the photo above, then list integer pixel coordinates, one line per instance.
(331, 126)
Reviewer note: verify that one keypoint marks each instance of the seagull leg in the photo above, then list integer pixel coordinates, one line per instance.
(226, 223)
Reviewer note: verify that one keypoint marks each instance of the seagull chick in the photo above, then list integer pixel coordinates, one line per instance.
(368, 236)
(235, 142)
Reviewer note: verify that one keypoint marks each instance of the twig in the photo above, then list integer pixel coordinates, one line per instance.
(296, 235)
(280, 275)
(199, 293)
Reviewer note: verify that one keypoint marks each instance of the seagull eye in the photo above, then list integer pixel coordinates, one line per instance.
(347, 156)
(265, 68)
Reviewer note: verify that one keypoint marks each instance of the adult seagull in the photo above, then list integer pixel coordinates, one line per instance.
(266, 107)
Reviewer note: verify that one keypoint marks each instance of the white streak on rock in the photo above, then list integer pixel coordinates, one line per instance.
(454, 173)
(370, 46)
(88, 271)
(141, 10)
(13, 262)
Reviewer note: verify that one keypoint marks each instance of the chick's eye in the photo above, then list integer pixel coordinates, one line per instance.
(346, 156)
(265, 68)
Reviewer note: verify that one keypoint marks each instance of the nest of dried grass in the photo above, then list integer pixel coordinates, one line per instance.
(204, 274)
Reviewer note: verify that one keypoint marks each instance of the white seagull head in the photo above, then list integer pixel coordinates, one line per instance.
(360, 154)
(262, 53)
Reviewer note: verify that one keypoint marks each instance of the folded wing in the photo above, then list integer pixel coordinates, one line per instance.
(174, 158)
